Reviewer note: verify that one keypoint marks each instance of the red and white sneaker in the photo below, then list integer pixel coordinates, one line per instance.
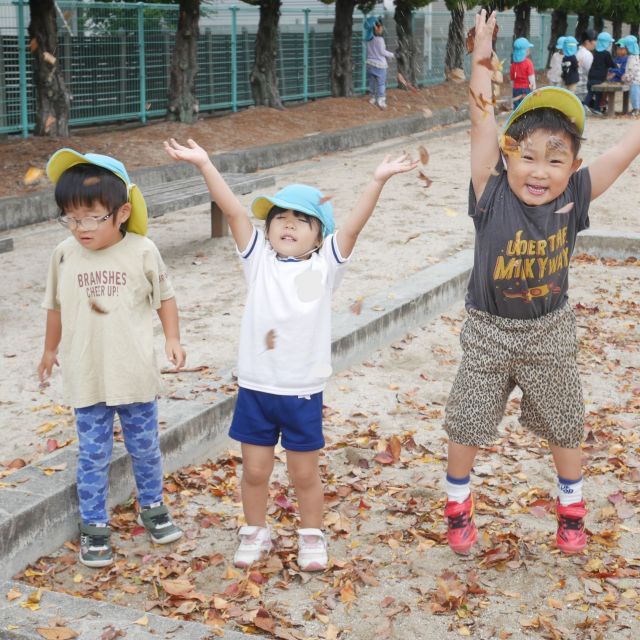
(312, 550)
(255, 542)
(571, 536)
(461, 530)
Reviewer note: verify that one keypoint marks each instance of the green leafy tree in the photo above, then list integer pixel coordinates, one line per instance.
(406, 56)
(53, 102)
(341, 50)
(264, 77)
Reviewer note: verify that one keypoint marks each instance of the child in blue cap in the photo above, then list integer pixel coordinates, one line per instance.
(570, 75)
(376, 61)
(602, 62)
(522, 73)
(632, 73)
(291, 269)
(529, 197)
(104, 282)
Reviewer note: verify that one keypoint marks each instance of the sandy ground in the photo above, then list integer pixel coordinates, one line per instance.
(412, 228)
(392, 574)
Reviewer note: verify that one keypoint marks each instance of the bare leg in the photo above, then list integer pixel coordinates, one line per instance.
(568, 462)
(305, 474)
(257, 465)
(460, 459)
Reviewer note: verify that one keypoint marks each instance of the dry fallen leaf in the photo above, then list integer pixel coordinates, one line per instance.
(356, 307)
(56, 633)
(32, 175)
(270, 339)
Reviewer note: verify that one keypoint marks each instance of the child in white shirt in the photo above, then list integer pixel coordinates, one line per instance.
(291, 268)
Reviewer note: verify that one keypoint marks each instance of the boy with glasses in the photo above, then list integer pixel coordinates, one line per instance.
(104, 282)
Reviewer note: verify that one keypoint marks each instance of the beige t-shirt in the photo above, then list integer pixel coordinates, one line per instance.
(106, 299)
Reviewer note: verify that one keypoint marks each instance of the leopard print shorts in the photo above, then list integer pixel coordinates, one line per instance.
(537, 355)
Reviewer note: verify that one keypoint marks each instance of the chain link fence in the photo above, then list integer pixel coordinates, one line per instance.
(115, 57)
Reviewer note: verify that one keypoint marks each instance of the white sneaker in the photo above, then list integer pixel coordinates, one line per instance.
(382, 103)
(372, 101)
(312, 550)
(254, 543)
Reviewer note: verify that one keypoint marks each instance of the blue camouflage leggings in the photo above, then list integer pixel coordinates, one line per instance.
(95, 435)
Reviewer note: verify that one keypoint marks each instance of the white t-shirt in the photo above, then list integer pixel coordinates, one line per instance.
(585, 59)
(285, 336)
(106, 299)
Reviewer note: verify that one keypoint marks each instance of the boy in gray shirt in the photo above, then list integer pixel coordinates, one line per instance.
(528, 199)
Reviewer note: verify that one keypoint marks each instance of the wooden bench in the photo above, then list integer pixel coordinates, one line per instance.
(188, 192)
(609, 89)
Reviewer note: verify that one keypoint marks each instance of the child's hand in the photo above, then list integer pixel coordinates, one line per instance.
(388, 167)
(484, 27)
(49, 359)
(194, 153)
(175, 353)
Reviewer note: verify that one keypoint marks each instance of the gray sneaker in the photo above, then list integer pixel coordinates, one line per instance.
(158, 523)
(95, 549)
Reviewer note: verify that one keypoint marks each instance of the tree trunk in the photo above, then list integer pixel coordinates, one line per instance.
(406, 52)
(264, 78)
(634, 29)
(456, 47)
(581, 26)
(53, 101)
(341, 58)
(598, 24)
(522, 25)
(616, 29)
(558, 28)
(183, 104)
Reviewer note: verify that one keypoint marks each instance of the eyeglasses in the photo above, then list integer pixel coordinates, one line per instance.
(88, 223)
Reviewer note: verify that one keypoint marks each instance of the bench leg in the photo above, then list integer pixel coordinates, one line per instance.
(610, 97)
(625, 102)
(219, 226)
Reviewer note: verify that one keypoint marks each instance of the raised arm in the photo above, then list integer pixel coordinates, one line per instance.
(608, 167)
(233, 211)
(366, 203)
(484, 136)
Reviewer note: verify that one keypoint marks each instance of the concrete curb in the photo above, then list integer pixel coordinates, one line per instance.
(89, 618)
(38, 207)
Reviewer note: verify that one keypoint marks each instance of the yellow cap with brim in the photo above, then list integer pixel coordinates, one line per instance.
(64, 159)
(554, 98)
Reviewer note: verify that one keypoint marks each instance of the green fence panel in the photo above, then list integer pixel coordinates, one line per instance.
(116, 57)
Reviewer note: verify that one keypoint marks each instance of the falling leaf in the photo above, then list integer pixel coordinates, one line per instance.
(425, 178)
(480, 101)
(566, 209)
(509, 146)
(94, 306)
(49, 122)
(406, 84)
(32, 175)
(356, 307)
(270, 339)
(324, 199)
(56, 633)
(424, 155)
(456, 75)
(49, 58)
(33, 45)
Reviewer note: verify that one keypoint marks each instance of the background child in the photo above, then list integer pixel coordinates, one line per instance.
(554, 72)
(632, 74)
(620, 60)
(104, 281)
(376, 62)
(602, 62)
(585, 59)
(570, 74)
(291, 268)
(528, 201)
(522, 73)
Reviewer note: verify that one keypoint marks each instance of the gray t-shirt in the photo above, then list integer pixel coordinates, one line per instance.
(522, 253)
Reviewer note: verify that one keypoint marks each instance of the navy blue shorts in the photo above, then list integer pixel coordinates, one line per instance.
(261, 418)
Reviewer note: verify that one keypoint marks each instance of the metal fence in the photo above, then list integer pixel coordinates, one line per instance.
(115, 57)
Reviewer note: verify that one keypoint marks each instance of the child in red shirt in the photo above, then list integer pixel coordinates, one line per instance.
(522, 73)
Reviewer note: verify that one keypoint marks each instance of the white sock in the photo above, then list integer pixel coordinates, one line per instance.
(569, 491)
(458, 489)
